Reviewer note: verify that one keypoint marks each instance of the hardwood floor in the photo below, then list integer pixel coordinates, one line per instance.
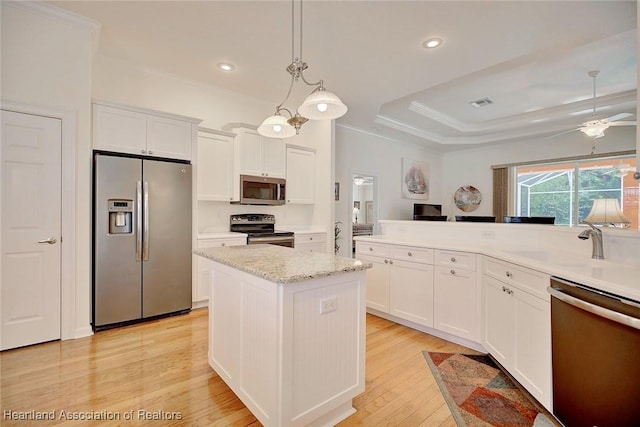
(158, 371)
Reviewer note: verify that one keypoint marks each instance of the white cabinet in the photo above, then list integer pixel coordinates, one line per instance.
(201, 282)
(301, 173)
(456, 308)
(258, 156)
(401, 280)
(135, 131)
(312, 242)
(517, 324)
(215, 165)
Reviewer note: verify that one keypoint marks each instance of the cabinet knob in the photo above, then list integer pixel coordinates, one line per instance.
(453, 259)
(452, 271)
(409, 254)
(370, 248)
(143, 151)
(386, 261)
(150, 152)
(223, 244)
(508, 274)
(310, 238)
(391, 261)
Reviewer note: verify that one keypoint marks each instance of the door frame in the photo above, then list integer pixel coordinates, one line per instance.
(352, 174)
(68, 288)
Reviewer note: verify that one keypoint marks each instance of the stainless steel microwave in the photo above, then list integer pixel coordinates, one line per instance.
(261, 190)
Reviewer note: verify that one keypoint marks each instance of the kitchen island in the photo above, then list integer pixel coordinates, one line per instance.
(287, 331)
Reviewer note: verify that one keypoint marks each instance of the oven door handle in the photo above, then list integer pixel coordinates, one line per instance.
(614, 316)
(270, 239)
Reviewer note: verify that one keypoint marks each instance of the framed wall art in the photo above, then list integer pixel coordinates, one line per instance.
(415, 179)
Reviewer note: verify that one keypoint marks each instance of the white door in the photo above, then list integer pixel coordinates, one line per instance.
(30, 231)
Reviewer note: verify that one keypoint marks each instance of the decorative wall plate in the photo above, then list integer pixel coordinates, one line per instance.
(467, 198)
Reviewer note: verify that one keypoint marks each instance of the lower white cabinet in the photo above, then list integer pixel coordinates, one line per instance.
(455, 293)
(312, 242)
(201, 283)
(517, 324)
(411, 291)
(400, 282)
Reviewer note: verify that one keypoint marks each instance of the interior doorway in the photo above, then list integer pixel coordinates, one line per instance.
(363, 206)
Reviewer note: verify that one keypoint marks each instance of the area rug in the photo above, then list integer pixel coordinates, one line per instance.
(479, 393)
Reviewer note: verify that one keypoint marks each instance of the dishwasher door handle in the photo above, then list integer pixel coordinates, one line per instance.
(614, 316)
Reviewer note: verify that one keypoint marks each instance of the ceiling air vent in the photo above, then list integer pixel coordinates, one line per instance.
(481, 102)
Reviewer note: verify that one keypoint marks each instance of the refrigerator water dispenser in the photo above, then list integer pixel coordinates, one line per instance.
(120, 216)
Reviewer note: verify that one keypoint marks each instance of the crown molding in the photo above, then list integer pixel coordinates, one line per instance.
(517, 120)
(68, 18)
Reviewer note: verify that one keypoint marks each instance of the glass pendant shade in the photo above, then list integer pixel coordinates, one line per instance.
(276, 126)
(322, 105)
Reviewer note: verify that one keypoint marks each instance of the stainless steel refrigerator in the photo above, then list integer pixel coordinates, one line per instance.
(141, 239)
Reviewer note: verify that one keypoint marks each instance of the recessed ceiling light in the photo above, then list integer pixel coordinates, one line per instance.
(225, 66)
(432, 42)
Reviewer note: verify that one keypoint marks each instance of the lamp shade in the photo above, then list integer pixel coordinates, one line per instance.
(276, 126)
(606, 211)
(322, 105)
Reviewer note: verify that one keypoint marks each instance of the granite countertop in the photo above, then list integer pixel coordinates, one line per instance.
(282, 265)
(617, 278)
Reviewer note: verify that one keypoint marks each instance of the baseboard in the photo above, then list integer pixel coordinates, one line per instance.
(431, 331)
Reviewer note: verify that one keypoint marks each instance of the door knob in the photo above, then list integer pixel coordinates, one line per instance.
(50, 240)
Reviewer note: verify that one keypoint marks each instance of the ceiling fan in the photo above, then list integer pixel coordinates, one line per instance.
(620, 170)
(596, 127)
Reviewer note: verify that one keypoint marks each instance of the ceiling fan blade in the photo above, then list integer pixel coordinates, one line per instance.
(619, 116)
(561, 133)
(625, 123)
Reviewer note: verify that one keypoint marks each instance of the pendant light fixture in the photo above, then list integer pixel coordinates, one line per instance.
(319, 105)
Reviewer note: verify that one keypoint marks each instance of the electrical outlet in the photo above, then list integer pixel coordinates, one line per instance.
(328, 305)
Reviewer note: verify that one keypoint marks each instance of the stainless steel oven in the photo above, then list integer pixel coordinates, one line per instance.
(595, 356)
(260, 229)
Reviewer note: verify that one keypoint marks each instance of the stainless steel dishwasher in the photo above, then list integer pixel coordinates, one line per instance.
(595, 356)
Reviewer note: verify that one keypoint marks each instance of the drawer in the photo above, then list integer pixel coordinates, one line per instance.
(528, 280)
(301, 239)
(217, 243)
(411, 253)
(373, 249)
(462, 260)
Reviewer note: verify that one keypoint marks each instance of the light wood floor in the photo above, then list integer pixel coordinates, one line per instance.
(162, 366)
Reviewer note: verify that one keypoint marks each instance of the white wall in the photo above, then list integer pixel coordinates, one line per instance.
(382, 158)
(473, 166)
(46, 62)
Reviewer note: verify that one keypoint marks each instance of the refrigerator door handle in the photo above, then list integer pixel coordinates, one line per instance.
(138, 221)
(145, 224)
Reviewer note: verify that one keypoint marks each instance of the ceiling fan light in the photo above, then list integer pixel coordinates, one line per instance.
(322, 105)
(276, 126)
(594, 129)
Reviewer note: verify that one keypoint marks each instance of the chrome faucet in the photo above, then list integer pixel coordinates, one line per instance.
(596, 239)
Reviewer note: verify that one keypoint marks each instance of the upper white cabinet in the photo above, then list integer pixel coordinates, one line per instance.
(136, 131)
(215, 165)
(301, 172)
(256, 155)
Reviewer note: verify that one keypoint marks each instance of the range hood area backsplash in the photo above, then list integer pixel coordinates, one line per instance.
(213, 217)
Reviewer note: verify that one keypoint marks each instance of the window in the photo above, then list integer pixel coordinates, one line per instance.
(566, 190)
